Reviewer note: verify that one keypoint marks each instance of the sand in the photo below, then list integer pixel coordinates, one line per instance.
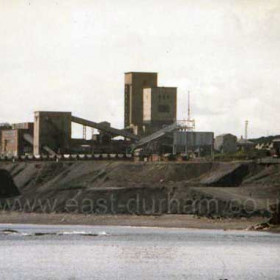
(168, 221)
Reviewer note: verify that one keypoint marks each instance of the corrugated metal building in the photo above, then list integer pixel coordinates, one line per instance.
(193, 142)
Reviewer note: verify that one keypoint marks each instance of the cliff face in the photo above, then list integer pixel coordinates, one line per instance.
(7, 185)
(109, 187)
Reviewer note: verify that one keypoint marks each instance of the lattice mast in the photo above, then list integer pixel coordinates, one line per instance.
(190, 121)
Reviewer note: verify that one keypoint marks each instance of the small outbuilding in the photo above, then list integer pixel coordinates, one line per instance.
(226, 143)
(245, 145)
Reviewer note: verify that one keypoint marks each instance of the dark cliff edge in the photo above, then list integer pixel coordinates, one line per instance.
(8, 188)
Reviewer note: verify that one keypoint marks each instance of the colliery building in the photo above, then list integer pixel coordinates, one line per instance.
(150, 124)
(52, 130)
(14, 139)
(159, 108)
(148, 107)
(193, 142)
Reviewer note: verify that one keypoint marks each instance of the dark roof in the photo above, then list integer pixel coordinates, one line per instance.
(225, 134)
(53, 112)
(161, 87)
(245, 142)
(141, 72)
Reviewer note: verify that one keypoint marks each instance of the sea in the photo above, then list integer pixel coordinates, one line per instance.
(117, 252)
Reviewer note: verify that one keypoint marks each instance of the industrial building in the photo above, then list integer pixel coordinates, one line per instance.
(3, 126)
(52, 129)
(151, 126)
(226, 143)
(52, 135)
(193, 142)
(14, 139)
(159, 108)
(135, 82)
(148, 107)
(245, 145)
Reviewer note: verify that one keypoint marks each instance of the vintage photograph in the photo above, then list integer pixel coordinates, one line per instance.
(139, 139)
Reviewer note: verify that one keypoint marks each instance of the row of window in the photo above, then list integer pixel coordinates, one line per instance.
(163, 96)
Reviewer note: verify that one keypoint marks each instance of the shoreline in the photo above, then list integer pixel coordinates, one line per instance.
(163, 221)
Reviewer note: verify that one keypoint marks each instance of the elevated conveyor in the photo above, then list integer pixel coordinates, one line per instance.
(156, 135)
(104, 128)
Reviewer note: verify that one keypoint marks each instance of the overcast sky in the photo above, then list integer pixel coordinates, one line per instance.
(71, 56)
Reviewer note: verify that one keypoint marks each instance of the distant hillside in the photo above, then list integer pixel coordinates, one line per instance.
(263, 139)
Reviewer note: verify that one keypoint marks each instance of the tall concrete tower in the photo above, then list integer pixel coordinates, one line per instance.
(52, 130)
(135, 82)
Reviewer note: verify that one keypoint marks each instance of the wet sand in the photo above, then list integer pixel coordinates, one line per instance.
(169, 221)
